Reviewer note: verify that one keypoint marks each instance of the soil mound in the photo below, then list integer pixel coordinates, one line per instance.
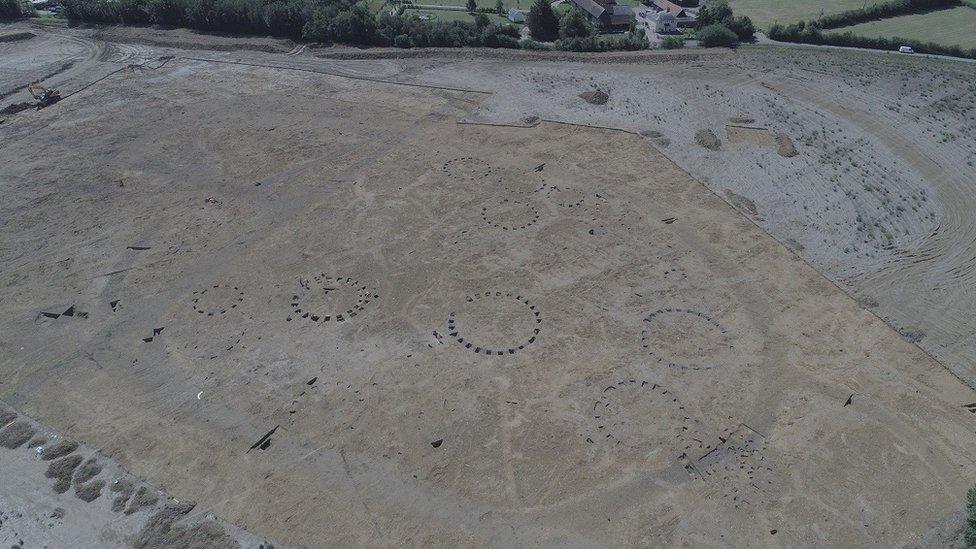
(15, 434)
(595, 97)
(784, 145)
(708, 139)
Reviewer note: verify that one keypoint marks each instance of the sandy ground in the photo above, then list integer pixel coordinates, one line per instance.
(311, 301)
(879, 197)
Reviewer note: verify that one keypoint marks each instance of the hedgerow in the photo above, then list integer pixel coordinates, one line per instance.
(343, 21)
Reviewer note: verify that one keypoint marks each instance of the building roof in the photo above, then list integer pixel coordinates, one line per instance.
(661, 16)
(621, 15)
(591, 7)
(671, 7)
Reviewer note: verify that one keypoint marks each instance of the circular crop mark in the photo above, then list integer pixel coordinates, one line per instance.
(467, 168)
(526, 185)
(217, 299)
(330, 299)
(510, 215)
(565, 197)
(644, 420)
(684, 339)
(495, 323)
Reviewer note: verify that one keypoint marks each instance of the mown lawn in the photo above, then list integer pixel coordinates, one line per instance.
(766, 12)
(454, 15)
(951, 27)
(481, 3)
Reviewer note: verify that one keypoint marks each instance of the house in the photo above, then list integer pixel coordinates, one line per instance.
(662, 22)
(605, 14)
(515, 15)
(684, 17)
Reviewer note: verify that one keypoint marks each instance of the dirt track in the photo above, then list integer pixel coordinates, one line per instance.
(330, 314)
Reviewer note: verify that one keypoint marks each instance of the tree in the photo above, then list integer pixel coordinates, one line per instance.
(472, 6)
(742, 27)
(500, 7)
(970, 533)
(673, 43)
(714, 12)
(716, 35)
(481, 21)
(574, 25)
(542, 21)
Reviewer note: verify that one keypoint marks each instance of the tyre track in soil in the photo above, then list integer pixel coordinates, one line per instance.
(929, 288)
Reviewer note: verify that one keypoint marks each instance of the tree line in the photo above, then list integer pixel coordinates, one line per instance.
(351, 22)
(811, 32)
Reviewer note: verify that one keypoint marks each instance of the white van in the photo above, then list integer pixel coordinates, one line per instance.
(905, 49)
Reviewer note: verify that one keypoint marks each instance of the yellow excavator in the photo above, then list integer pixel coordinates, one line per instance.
(43, 96)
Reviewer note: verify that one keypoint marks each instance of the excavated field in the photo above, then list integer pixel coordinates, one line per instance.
(342, 303)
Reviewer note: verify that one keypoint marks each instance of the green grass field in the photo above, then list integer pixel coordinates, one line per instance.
(766, 12)
(951, 27)
(454, 15)
(481, 3)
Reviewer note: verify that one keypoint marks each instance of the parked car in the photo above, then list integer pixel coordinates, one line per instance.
(905, 49)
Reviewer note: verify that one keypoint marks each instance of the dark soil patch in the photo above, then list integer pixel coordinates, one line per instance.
(37, 441)
(742, 120)
(91, 491)
(16, 36)
(143, 498)
(62, 448)
(742, 203)
(653, 134)
(595, 97)
(15, 108)
(87, 471)
(6, 417)
(61, 470)
(161, 531)
(124, 489)
(708, 139)
(15, 434)
(784, 145)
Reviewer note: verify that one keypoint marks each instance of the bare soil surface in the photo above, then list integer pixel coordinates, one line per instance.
(304, 296)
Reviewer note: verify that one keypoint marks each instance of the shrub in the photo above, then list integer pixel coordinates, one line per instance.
(713, 13)
(742, 27)
(542, 21)
(285, 18)
(11, 9)
(403, 41)
(354, 26)
(574, 25)
(673, 43)
(970, 533)
(717, 36)
(167, 12)
(530, 44)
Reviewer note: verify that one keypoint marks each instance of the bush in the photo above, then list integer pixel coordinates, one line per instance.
(285, 18)
(742, 27)
(970, 533)
(673, 43)
(11, 9)
(574, 25)
(403, 41)
(882, 10)
(542, 21)
(167, 12)
(354, 26)
(530, 44)
(811, 34)
(716, 35)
